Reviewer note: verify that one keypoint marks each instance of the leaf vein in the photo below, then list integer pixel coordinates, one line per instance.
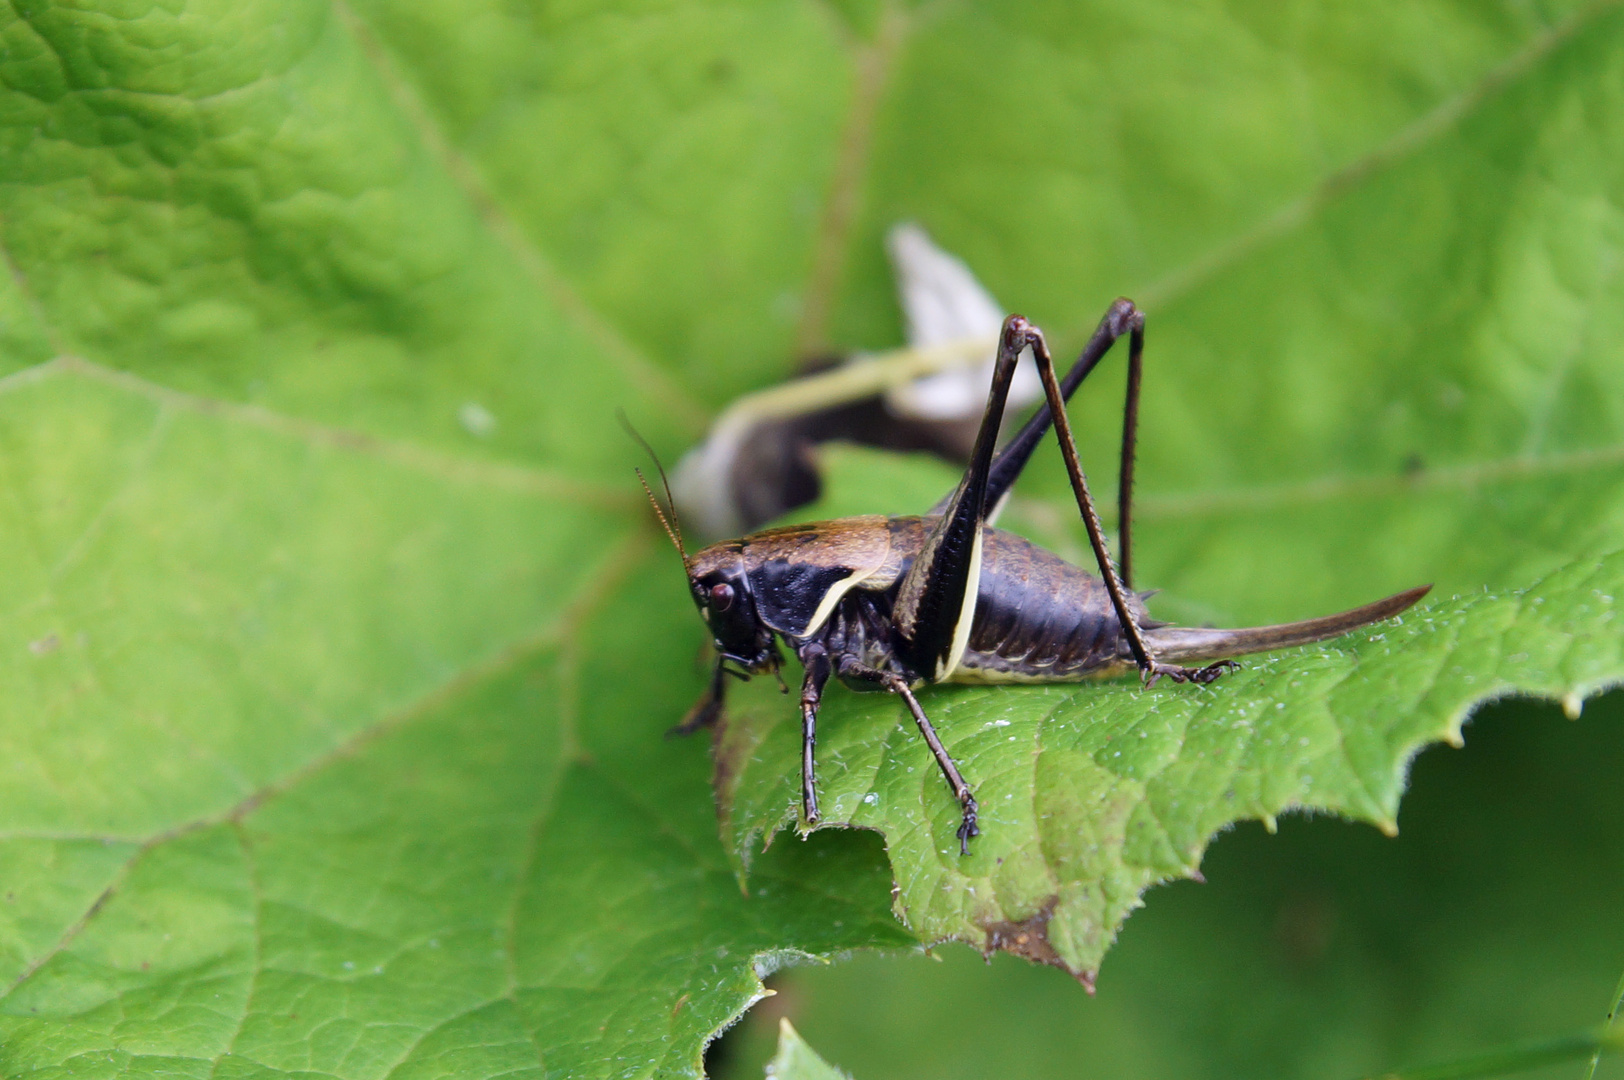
(502, 660)
(1407, 141)
(1267, 497)
(504, 476)
(52, 334)
(640, 369)
(252, 864)
(874, 63)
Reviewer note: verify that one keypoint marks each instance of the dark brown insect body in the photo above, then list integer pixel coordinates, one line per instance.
(895, 603)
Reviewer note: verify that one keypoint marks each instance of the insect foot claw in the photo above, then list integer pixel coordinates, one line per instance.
(1212, 671)
(810, 812)
(967, 826)
(1199, 676)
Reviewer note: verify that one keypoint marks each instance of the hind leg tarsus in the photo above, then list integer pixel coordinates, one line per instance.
(1200, 676)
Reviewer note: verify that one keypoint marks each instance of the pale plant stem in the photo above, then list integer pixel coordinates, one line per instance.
(1612, 1018)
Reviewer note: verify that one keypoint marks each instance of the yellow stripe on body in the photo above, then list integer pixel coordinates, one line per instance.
(826, 606)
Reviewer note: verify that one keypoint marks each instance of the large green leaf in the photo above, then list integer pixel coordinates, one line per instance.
(312, 771)
(325, 579)
(337, 648)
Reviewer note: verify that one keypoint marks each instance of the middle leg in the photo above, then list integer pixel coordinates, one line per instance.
(950, 769)
(850, 667)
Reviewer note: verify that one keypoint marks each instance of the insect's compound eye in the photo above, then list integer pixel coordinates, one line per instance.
(721, 597)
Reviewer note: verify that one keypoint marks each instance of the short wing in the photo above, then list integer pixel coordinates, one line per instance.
(799, 573)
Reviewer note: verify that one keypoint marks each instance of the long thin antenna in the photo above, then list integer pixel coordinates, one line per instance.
(672, 528)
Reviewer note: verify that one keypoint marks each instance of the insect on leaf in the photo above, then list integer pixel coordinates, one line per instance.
(1319, 430)
(338, 641)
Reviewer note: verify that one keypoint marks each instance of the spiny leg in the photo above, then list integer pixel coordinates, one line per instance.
(961, 790)
(816, 662)
(1150, 669)
(932, 600)
(1121, 318)
(1130, 439)
(850, 667)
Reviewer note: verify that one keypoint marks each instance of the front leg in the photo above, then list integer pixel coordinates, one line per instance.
(815, 659)
(708, 709)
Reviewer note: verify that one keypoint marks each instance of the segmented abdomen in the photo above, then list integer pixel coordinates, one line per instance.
(1040, 619)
